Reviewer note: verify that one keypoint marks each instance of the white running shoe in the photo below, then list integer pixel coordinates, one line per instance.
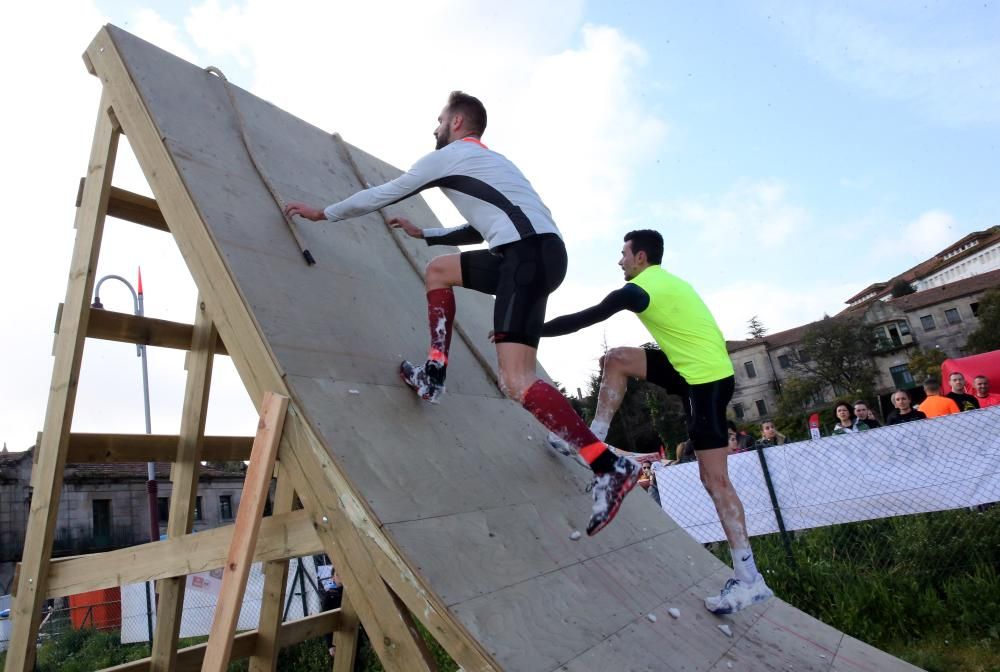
(737, 595)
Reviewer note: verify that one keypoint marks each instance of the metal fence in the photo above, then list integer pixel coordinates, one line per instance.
(890, 534)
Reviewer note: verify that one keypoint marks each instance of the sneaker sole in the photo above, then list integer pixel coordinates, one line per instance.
(629, 485)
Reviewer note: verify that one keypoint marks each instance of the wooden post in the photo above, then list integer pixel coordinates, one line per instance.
(265, 656)
(47, 473)
(184, 490)
(345, 639)
(237, 568)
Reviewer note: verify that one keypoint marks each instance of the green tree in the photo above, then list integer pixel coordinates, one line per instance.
(799, 395)
(987, 336)
(838, 352)
(901, 288)
(924, 363)
(756, 328)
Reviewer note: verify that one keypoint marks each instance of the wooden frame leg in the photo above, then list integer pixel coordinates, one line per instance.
(345, 639)
(265, 656)
(184, 489)
(47, 473)
(248, 519)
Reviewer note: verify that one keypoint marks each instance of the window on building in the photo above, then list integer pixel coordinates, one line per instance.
(751, 371)
(927, 322)
(226, 507)
(738, 411)
(783, 361)
(952, 316)
(901, 376)
(761, 407)
(974, 307)
(163, 508)
(197, 508)
(904, 328)
(102, 521)
(804, 356)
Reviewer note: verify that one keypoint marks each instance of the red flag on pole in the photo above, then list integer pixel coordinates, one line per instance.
(140, 279)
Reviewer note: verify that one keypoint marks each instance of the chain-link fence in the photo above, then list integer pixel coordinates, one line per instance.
(890, 534)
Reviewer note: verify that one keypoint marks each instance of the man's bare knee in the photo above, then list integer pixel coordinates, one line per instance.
(623, 361)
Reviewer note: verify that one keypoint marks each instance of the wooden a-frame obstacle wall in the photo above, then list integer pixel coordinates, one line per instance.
(334, 520)
(456, 514)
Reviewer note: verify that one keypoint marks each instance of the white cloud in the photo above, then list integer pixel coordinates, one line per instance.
(938, 59)
(778, 307)
(919, 238)
(753, 210)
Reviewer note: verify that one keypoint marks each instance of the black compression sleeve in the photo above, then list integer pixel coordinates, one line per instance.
(630, 297)
(460, 235)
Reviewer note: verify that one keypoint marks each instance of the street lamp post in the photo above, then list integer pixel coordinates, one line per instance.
(151, 485)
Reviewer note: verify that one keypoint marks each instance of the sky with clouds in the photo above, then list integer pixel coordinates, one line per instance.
(790, 153)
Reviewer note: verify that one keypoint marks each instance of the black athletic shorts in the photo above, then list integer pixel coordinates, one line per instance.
(704, 404)
(521, 275)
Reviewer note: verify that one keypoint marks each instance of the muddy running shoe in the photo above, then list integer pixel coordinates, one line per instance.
(427, 379)
(609, 491)
(737, 595)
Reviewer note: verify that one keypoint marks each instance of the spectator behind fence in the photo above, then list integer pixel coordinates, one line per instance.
(983, 395)
(770, 436)
(904, 410)
(685, 452)
(864, 414)
(965, 402)
(847, 423)
(934, 406)
(738, 441)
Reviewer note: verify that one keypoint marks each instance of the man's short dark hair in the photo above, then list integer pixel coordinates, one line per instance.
(471, 109)
(901, 390)
(932, 385)
(648, 241)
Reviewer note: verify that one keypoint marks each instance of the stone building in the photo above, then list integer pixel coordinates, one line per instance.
(940, 317)
(103, 506)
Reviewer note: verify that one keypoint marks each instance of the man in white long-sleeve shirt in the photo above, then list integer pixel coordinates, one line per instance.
(525, 262)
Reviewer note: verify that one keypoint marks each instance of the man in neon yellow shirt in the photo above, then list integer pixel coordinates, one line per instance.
(693, 363)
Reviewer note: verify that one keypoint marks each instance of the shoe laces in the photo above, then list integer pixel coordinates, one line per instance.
(730, 585)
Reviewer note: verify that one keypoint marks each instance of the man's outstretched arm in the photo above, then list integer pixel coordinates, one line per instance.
(416, 179)
(630, 297)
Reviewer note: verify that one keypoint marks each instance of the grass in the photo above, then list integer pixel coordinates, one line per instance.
(925, 588)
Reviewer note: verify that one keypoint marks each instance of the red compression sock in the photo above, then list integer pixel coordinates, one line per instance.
(545, 403)
(440, 317)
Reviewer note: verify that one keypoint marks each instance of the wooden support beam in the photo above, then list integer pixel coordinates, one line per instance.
(346, 639)
(397, 643)
(190, 659)
(47, 475)
(116, 448)
(110, 325)
(184, 482)
(265, 655)
(248, 520)
(282, 536)
(136, 208)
